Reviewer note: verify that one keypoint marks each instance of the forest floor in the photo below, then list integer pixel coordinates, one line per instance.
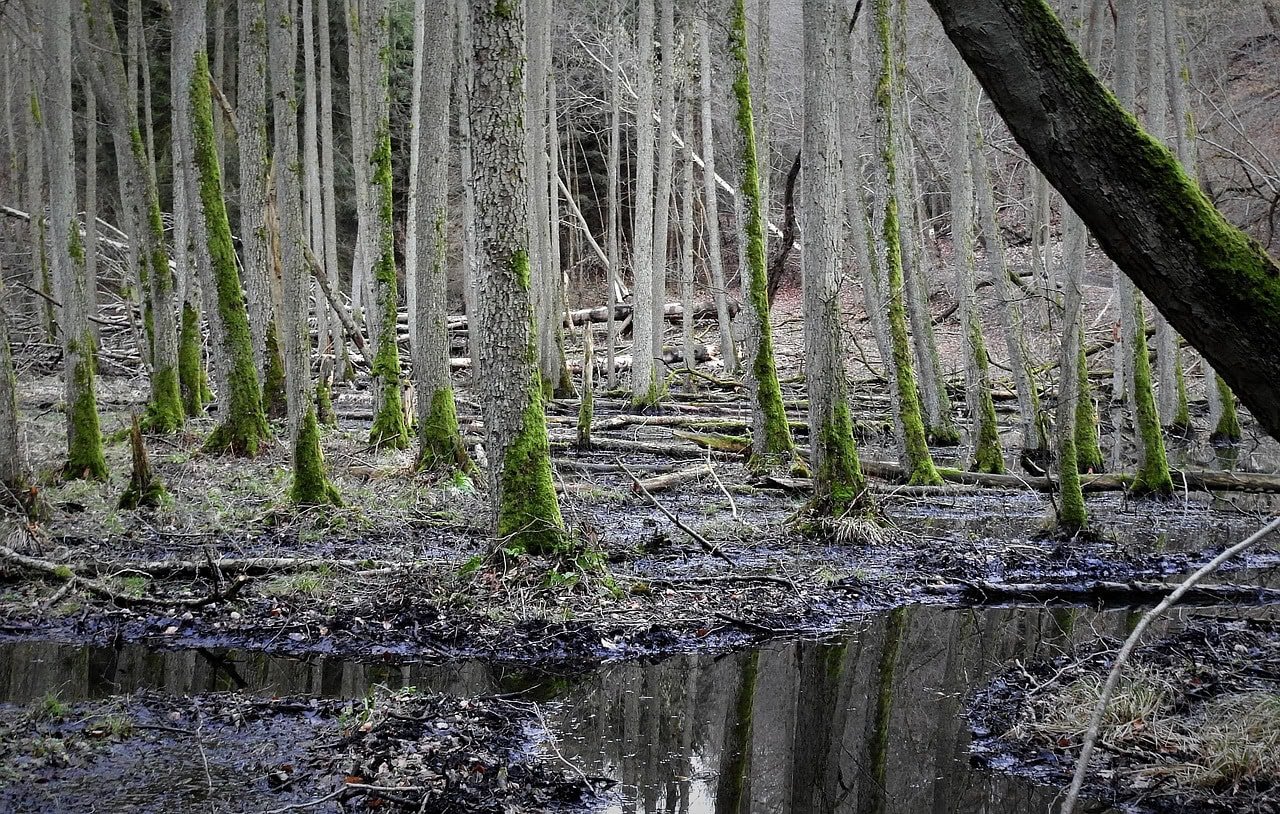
(401, 572)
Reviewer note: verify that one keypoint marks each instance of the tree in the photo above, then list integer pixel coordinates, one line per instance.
(770, 433)
(370, 25)
(13, 472)
(644, 384)
(988, 455)
(440, 444)
(919, 463)
(1216, 285)
(242, 428)
(311, 487)
(84, 438)
(710, 201)
(526, 511)
(838, 483)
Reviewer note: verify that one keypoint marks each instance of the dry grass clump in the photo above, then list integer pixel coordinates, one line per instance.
(1139, 710)
(1236, 742)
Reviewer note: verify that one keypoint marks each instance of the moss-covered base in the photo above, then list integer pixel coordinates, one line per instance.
(650, 400)
(441, 449)
(325, 413)
(243, 439)
(190, 370)
(1087, 447)
(390, 431)
(311, 486)
(1071, 516)
(1227, 430)
(274, 399)
(839, 486)
(85, 459)
(165, 410)
(529, 517)
(943, 435)
(1153, 477)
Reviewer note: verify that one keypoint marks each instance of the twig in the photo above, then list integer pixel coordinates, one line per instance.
(698, 538)
(1113, 678)
(733, 506)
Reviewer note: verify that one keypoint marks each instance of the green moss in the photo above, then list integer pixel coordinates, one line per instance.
(84, 436)
(325, 414)
(1153, 475)
(190, 369)
(311, 486)
(988, 454)
(772, 442)
(274, 398)
(528, 512)
(389, 428)
(881, 728)
(440, 445)
(839, 486)
(1087, 448)
(1071, 511)
(164, 410)
(1228, 429)
(244, 425)
(586, 407)
(144, 488)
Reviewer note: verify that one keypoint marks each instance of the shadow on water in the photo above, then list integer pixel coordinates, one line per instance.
(868, 723)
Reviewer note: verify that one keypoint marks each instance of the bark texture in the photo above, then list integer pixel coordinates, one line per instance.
(526, 511)
(1217, 286)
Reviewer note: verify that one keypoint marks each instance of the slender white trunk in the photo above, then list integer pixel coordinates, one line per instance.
(615, 127)
(663, 181)
(711, 201)
(643, 253)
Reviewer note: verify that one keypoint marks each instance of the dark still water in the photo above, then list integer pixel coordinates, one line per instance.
(869, 723)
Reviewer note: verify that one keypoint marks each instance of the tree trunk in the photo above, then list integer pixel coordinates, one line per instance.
(526, 511)
(644, 384)
(242, 424)
(311, 487)
(614, 202)
(41, 278)
(687, 237)
(440, 445)
(889, 257)
(663, 193)
(711, 203)
(1217, 286)
(84, 438)
(13, 466)
(985, 436)
(839, 486)
(327, 170)
(770, 434)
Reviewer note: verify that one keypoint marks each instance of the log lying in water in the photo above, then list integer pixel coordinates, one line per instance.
(672, 311)
(1112, 593)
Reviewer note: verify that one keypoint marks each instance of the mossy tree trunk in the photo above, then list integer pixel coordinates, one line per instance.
(242, 427)
(191, 371)
(440, 445)
(918, 462)
(102, 61)
(41, 278)
(1217, 286)
(84, 438)
(13, 469)
(838, 483)
(988, 456)
(311, 486)
(526, 511)
(389, 430)
(771, 442)
(251, 112)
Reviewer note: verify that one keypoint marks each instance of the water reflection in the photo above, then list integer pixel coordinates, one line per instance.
(868, 724)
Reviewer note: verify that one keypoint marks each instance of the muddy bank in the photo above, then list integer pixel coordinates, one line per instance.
(1194, 725)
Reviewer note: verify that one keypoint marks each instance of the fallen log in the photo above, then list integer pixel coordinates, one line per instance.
(1100, 591)
(675, 451)
(670, 480)
(718, 442)
(1198, 480)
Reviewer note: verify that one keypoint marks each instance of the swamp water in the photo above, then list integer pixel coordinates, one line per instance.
(871, 721)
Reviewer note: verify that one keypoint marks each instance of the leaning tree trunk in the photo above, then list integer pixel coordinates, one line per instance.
(440, 444)
(918, 462)
(311, 487)
(985, 435)
(84, 438)
(243, 425)
(711, 201)
(770, 433)
(1218, 287)
(526, 511)
(107, 70)
(644, 384)
(251, 112)
(838, 484)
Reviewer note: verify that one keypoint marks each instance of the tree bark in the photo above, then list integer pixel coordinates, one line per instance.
(711, 203)
(13, 468)
(525, 508)
(644, 385)
(1217, 286)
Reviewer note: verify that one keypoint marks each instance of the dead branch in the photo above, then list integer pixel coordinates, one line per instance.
(698, 538)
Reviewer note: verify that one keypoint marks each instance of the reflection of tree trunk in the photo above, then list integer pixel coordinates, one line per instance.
(733, 790)
(950, 723)
(874, 795)
(819, 731)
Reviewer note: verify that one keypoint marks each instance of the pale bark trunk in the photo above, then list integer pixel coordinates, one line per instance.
(91, 203)
(643, 252)
(556, 363)
(84, 438)
(251, 111)
(439, 440)
(361, 149)
(40, 272)
(13, 467)
(687, 240)
(614, 203)
(837, 477)
(711, 203)
(469, 251)
(327, 172)
(663, 184)
(312, 195)
(988, 456)
(526, 511)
